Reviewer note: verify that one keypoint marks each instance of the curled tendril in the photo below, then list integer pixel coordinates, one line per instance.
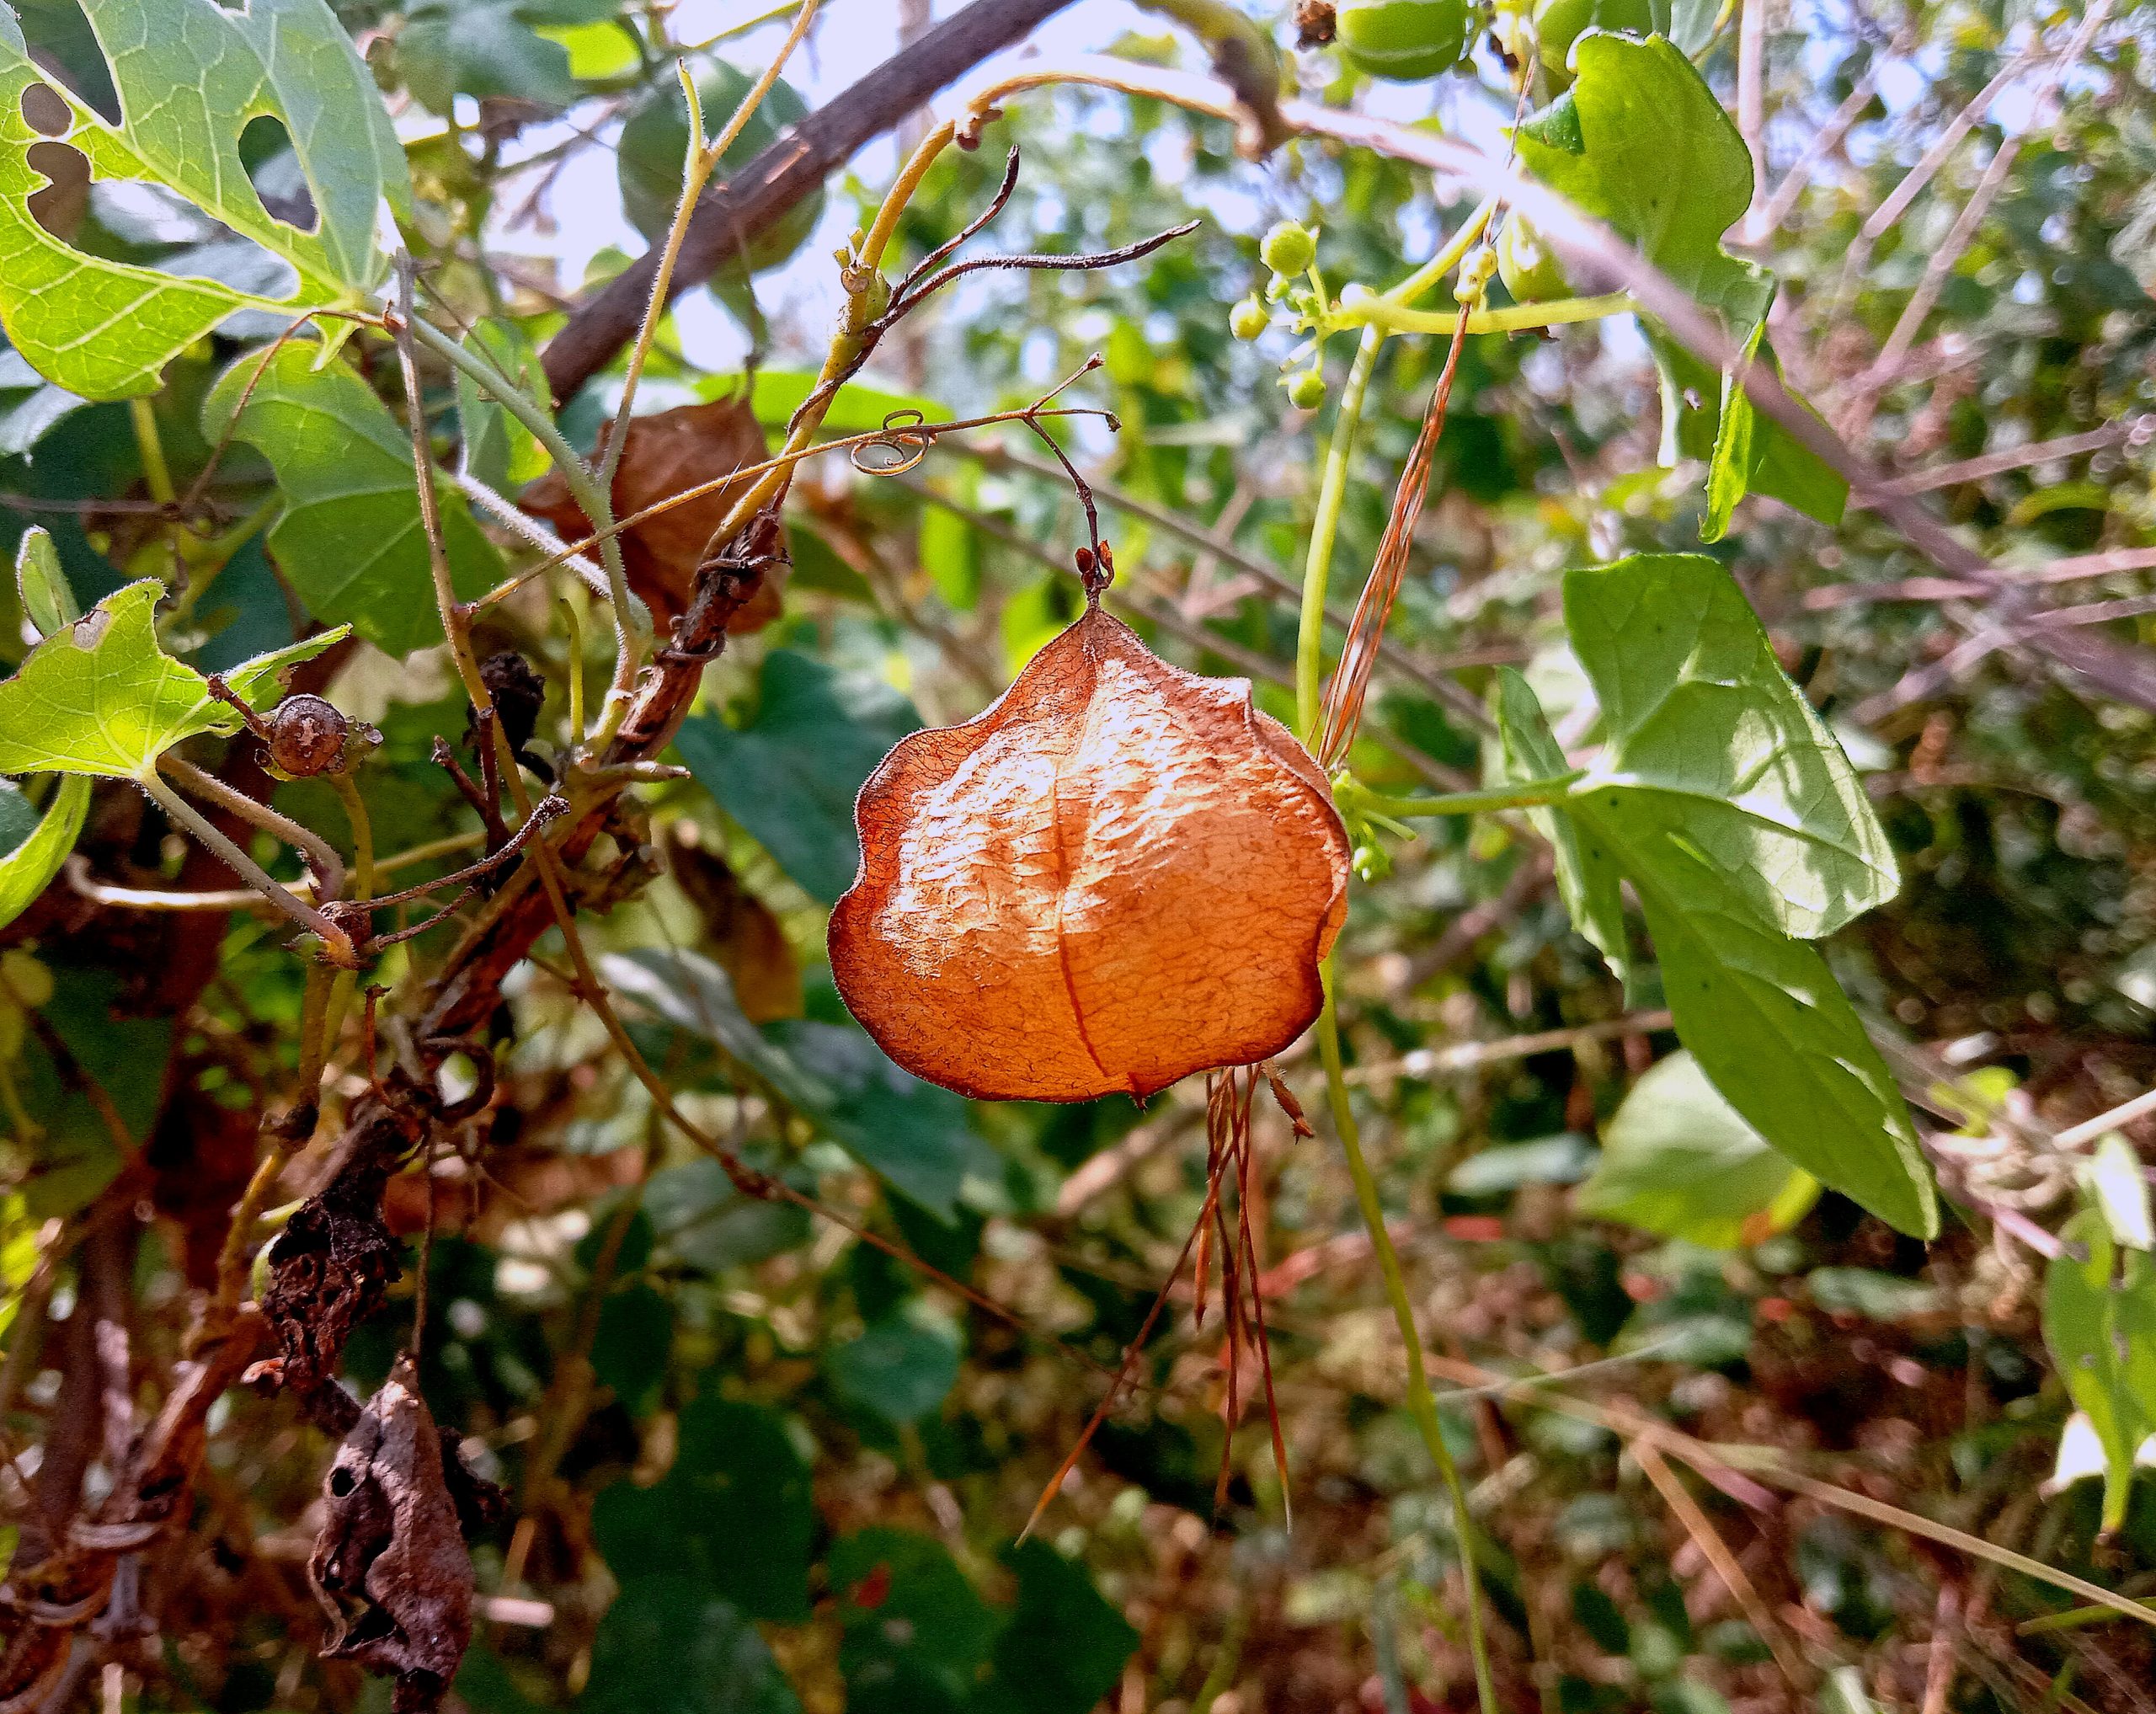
(906, 449)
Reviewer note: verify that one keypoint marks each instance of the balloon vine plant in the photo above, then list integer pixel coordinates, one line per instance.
(1119, 875)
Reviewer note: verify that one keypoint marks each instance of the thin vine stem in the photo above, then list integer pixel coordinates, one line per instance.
(1309, 664)
(591, 500)
(337, 945)
(1324, 525)
(703, 161)
(1422, 1404)
(1361, 308)
(1528, 795)
(900, 435)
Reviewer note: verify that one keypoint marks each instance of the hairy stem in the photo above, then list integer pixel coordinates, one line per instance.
(591, 499)
(337, 945)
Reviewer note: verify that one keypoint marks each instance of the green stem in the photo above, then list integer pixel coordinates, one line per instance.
(1325, 525)
(1420, 1404)
(157, 474)
(1529, 794)
(1332, 489)
(591, 500)
(1367, 309)
(337, 945)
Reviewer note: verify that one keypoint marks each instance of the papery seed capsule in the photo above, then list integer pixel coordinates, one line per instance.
(1119, 874)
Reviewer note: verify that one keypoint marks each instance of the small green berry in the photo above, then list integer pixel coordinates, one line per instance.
(1370, 862)
(1306, 389)
(1288, 247)
(1407, 40)
(1248, 319)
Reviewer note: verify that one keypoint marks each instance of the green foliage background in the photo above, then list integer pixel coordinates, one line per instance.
(757, 1464)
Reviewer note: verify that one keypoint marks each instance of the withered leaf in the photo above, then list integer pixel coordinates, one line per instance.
(664, 454)
(389, 1566)
(332, 1265)
(741, 933)
(1118, 875)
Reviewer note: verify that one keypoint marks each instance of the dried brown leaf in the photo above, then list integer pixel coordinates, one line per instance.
(1118, 875)
(389, 1566)
(740, 932)
(664, 454)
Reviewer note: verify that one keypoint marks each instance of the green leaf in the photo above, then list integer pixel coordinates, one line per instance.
(1640, 140)
(655, 138)
(1066, 1646)
(31, 864)
(42, 407)
(1565, 1158)
(191, 75)
(791, 775)
(71, 1149)
(630, 1349)
(1713, 753)
(669, 1645)
(99, 696)
(775, 394)
(916, 1632)
(913, 1134)
(1773, 1032)
(351, 539)
(1587, 875)
(2100, 1321)
(491, 47)
(1705, 416)
(708, 1225)
(901, 1369)
(48, 600)
(735, 1511)
(1875, 1296)
(1680, 1160)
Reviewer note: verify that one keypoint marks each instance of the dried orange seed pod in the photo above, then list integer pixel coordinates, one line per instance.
(1119, 874)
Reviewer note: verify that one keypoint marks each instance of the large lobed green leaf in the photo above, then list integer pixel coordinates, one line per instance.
(1712, 750)
(100, 696)
(350, 540)
(191, 75)
(1725, 801)
(1640, 140)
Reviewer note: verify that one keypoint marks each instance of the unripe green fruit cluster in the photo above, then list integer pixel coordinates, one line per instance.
(1407, 40)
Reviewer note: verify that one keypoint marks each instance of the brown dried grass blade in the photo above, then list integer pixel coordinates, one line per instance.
(1351, 678)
